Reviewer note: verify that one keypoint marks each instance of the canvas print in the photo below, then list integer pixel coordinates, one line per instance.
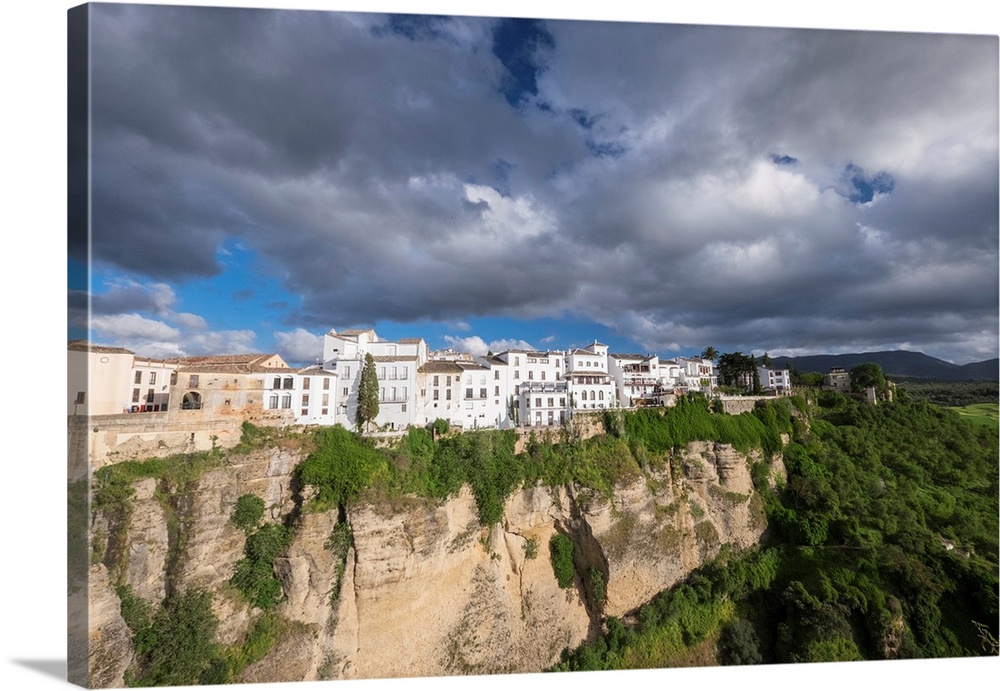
(424, 346)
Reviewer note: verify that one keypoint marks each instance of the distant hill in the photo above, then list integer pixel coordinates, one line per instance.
(899, 362)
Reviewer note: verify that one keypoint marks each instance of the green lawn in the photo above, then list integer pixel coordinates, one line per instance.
(981, 414)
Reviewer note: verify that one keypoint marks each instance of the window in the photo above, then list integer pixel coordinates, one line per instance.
(482, 392)
(347, 392)
(325, 411)
(517, 374)
(326, 400)
(149, 395)
(404, 408)
(305, 383)
(468, 393)
(531, 375)
(304, 412)
(496, 374)
(600, 395)
(562, 401)
(273, 402)
(394, 394)
(517, 389)
(447, 394)
(538, 403)
(286, 383)
(135, 395)
(435, 380)
(347, 372)
(152, 378)
(305, 401)
(193, 381)
(138, 377)
(551, 402)
(496, 390)
(517, 361)
(286, 401)
(173, 378)
(402, 372)
(583, 395)
(435, 394)
(326, 383)
(277, 383)
(80, 396)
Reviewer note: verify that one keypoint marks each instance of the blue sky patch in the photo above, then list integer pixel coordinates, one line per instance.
(863, 187)
(519, 45)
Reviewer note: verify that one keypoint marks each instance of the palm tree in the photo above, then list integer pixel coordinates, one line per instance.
(710, 353)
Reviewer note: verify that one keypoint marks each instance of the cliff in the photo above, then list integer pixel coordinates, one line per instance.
(422, 588)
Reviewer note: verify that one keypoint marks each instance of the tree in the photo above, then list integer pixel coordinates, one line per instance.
(367, 394)
(710, 353)
(766, 361)
(737, 369)
(868, 374)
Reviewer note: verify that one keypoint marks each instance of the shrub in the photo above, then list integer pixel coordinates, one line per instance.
(248, 512)
(561, 554)
(179, 644)
(531, 548)
(254, 574)
(739, 644)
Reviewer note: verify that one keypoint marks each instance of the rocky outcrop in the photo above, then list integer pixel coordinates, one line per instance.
(110, 648)
(423, 589)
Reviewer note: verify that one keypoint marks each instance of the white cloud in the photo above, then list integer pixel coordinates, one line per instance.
(191, 321)
(477, 346)
(234, 342)
(299, 346)
(131, 327)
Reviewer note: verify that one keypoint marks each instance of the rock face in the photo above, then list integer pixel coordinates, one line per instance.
(424, 589)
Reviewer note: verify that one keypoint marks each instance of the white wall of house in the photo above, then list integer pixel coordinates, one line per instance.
(98, 381)
(777, 380)
(315, 396)
(591, 386)
(396, 365)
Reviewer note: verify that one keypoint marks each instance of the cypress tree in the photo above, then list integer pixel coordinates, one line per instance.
(367, 394)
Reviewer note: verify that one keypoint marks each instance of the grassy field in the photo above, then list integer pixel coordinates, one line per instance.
(981, 414)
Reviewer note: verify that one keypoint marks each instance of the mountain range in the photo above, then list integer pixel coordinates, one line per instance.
(903, 363)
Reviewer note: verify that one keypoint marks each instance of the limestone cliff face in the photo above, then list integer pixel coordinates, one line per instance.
(424, 589)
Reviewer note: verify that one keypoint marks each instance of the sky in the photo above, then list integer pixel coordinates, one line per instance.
(260, 177)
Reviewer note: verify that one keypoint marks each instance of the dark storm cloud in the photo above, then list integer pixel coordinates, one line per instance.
(640, 175)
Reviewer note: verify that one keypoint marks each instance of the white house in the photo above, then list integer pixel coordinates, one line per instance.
(590, 383)
(99, 379)
(637, 378)
(396, 365)
(315, 396)
(777, 380)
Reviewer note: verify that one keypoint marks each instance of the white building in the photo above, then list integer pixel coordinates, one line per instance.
(396, 364)
(697, 374)
(778, 381)
(590, 384)
(637, 379)
(314, 391)
(99, 379)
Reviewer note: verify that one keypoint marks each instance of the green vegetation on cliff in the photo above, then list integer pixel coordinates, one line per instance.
(883, 544)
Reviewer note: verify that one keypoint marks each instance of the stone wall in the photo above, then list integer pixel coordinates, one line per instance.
(111, 439)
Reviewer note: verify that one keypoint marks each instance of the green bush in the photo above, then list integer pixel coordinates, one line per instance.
(561, 554)
(254, 574)
(248, 511)
(739, 644)
(531, 548)
(179, 644)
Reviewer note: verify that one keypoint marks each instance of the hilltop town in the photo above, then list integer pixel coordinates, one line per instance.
(159, 406)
